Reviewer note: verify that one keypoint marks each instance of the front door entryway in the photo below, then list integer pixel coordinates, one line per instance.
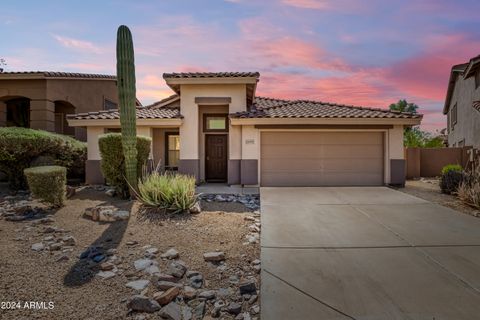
(216, 157)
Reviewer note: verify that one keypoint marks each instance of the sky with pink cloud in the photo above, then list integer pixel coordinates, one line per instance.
(366, 53)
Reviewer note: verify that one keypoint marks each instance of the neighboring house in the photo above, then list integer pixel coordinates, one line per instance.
(217, 130)
(462, 105)
(41, 100)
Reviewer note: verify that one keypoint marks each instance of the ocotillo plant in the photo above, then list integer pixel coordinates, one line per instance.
(126, 99)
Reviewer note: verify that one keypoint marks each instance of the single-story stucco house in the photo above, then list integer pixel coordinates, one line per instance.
(216, 129)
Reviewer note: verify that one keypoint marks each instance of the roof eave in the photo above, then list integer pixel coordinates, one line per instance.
(351, 121)
(170, 122)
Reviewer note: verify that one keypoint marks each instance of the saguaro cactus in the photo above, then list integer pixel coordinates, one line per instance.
(126, 99)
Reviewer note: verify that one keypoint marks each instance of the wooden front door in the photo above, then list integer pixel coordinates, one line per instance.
(216, 157)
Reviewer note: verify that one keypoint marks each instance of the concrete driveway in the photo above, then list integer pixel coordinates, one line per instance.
(366, 253)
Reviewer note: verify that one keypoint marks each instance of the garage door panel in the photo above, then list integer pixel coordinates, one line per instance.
(327, 165)
(309, 179)
(322, 138)
(321, 158)
(292, 151)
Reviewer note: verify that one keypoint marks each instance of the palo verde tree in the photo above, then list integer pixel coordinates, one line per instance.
(404, 106)
(126, 99)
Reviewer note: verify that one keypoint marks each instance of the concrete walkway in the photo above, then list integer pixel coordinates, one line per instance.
(366, 253)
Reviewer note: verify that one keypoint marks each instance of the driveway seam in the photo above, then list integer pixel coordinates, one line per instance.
(374, 247)
(419, 249)
(309, 295)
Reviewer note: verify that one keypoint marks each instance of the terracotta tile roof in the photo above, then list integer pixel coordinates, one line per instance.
(165, 102)
(52, 74)
(273, 108)
(179, 75)
(142, 113)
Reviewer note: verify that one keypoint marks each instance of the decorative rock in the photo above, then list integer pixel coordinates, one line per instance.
(165, 285)
(131, 243)
(198, 308)
(49, 229)
(98, 258)
(207, 294)
(247, 286)
(253, 299)
(69, 240)
(143, 264)
(106, 274)
(62, 257)
(143, 304)
(196, 208)
(110, 192)
(189, 293)
(196, 281)
(49, 238)
(177, 268)
(105, 266)
(70, 192)
(171, 253)
(153, 269)
(166, 297)
(187, 313)
(106, 214)
(111, 252)
(164, 277)
(138, 284)
(234, 308)
(214, 256)
(55, 246)
(171, 311)
(217, 307)
(255, 309)
(249, 218)
(38, 246)
(151, 251)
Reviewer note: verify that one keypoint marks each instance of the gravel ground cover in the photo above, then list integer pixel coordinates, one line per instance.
(150, 266)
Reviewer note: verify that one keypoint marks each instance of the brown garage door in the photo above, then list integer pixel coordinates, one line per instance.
(321, 158)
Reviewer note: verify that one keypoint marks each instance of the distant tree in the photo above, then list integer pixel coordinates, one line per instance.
(404, 106)
(2, 64)
(416, 138)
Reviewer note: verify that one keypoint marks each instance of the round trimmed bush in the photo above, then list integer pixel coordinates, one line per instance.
(452, 177)
(113, 160)
(21, 148)
(48, 183)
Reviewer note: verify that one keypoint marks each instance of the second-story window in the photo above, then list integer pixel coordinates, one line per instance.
(109, 105)
(453, 117)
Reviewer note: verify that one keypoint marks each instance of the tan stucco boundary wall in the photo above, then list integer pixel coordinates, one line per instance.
(428, 162)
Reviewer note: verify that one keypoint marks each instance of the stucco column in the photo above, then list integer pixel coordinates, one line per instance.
(249, 171)
(42, 115)
(93, 172)
(189, 139)
(146, 132)
(234, 154)
(396, 153)
(3, 114)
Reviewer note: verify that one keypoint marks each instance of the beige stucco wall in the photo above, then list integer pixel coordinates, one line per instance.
(158, 141)
(84, 94)
(190, 129)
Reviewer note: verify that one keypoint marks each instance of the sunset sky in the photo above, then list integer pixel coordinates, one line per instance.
(366, 53)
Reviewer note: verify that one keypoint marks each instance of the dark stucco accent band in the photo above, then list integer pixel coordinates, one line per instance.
(93, 173)
(233, 171)
(397, 172)
(249, 171)
(190, 167)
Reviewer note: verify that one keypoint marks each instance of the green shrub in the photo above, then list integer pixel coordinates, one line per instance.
(48, 183)
(452, 167)
(21, 148)
(113, 161)
(172, 192)
(452, 177)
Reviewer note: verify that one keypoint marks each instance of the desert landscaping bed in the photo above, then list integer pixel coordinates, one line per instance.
(59, 257)
(428, 189)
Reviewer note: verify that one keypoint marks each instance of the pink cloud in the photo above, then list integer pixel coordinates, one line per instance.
(77, 44)
(308, 4)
